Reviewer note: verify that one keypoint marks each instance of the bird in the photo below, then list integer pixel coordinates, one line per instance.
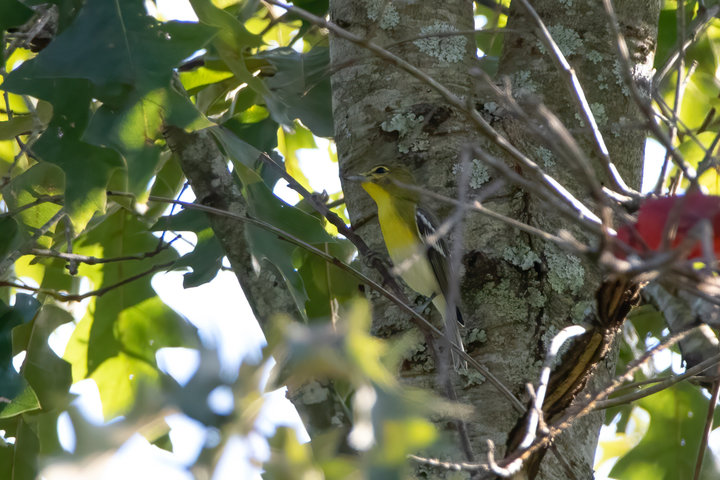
(419, 255)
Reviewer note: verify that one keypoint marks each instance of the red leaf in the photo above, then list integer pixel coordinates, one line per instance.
(685, 211)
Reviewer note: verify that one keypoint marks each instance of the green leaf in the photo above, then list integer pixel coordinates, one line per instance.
(203, 76)
(300, 87)
(10, 238)
(39, 180)
(26, 401)
(231, 42)
(694, 154)
(669, 448)
(127, 46)
(87, 172)
(48, 375)
(168, 183)
(133, 128)
(288, 145)
(116, 328)
(21, 313)
(261, 134)
(13, 13)
(239, 151)
(120, 378)
(206, 259)
(328, 287)
(262, 204)
(87, 168)
(19, 461)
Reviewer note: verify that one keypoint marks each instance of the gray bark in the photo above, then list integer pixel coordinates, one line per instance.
(207, 172)
(517, 291)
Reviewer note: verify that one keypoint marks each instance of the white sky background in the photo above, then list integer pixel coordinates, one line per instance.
(225, 321)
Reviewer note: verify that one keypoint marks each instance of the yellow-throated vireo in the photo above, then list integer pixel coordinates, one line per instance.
(419, 255)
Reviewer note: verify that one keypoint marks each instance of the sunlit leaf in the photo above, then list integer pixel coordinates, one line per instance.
(116, 327)
(669, 448)
(42, 179)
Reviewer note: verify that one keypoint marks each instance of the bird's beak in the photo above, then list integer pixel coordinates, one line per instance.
(356, 178)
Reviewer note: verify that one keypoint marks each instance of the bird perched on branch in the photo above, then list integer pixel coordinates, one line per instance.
(419, 254)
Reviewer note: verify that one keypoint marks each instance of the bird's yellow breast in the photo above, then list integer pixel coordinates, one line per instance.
(403, 243)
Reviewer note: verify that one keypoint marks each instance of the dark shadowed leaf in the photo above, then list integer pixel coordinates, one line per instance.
(206, 259)
(301, 88)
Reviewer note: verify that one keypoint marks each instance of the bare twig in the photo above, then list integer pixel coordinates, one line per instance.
(67, 297)
(473, 115)
(566, 242)
(661, 385)
(589, 404)
(73, 257)
(577, 212)
(29, 243)
(535, 414)
(397, 299)
(712, 404)
(696, 29)
(578, 95)
(643, 102)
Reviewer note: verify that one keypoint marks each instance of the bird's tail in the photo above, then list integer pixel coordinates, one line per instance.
(459, 363)
(452, 332)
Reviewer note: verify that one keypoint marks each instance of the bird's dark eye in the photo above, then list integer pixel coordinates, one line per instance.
(381, 170)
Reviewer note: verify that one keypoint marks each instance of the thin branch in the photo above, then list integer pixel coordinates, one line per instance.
(568, 243)
(66, 297)
(712, 404)
(578, 212)
(324, 210)
(29, 243)
(73, 257)
(640, 100)
(697, 28)
(454, 466)
(680, 86)
(661, 385)
(462, 105)
(535, 414)
(514, 461)
(398, 300)
(39, 200)
(578, 95)
(451, 327)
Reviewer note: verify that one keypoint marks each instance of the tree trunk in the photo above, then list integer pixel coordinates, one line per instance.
(517, 291)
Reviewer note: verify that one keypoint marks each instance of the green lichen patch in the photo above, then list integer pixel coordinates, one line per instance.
(473, 377)
(521, 256)
(501, 300)
(535, 297)
(383, 11)
(411, 137)
(567, 39)
(566, 273)
(595, 57)
(523, 83)
(582, 309)
(448, 49)
(547, 158)
(479, 174)
(598, 111)
(476, 335)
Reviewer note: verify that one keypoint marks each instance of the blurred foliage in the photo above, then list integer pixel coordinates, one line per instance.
(84, 103)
